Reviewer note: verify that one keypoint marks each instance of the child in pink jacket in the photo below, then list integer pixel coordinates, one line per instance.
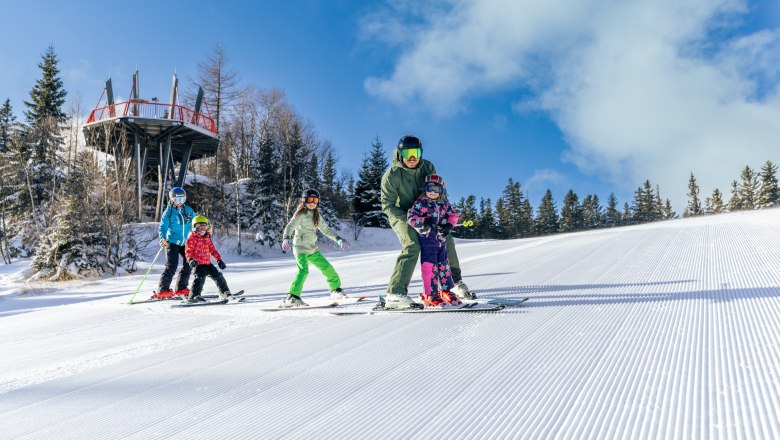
(433, 217)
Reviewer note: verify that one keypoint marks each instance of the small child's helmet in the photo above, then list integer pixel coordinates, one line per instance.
(199, 219)
(433, 178)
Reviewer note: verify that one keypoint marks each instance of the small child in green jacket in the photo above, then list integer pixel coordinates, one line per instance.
(304, 225)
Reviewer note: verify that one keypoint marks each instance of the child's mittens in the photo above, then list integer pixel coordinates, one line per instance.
(221, 264)
(192, 263)
(445, 229)
(286, 245)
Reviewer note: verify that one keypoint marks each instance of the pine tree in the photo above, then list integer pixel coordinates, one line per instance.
(748, 190)
(613, 217)
(644, 204)
(265, 192)
(768, 194)
(467, 211)
(694, 206)
(717, 202)
(367, 206)
(41, 140)
(571, 213)
(331, 189)
(668, 212)
(7, 122)
(592, 212)
(505, 226)
(628, 215)
(707, 206)
(547, 216)
(735, 202)
(47, 95)
(487, 225)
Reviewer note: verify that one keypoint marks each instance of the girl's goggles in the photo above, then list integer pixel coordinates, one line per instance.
(201, 227)
(433, 187)
(180, 199)
(312, 200)
(409, 153)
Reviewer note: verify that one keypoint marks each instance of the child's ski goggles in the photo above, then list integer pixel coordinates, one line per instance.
(312, 200)
(433, 187)
(179, 199)
(409, 153)
(201, 227)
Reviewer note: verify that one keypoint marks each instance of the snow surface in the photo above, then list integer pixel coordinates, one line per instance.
(666, 330)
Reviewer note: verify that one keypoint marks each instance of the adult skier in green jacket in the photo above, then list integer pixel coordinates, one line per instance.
(303, 226)
(400, 187)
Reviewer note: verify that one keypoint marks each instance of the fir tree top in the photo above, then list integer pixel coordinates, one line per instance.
(48, 95)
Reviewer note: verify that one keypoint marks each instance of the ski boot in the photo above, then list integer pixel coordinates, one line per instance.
(431, 300)
(185, 292)
(462, 291)
(226, 295)
(337, 294)
(399, 301)
(163, 294)
(450, 298)
(293, 301)
(192, 299)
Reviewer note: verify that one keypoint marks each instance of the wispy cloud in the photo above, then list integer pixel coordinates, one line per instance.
(644, 89)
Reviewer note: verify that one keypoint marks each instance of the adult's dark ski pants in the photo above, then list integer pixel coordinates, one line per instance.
(172, 254)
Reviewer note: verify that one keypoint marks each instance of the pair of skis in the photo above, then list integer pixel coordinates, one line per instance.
(210, 300)
(479, 305)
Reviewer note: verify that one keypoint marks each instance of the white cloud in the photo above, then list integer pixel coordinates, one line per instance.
(648, 89)
(543, 179)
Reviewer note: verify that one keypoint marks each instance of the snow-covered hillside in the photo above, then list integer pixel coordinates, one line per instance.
(667, 330)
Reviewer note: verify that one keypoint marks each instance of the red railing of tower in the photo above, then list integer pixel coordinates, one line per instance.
(153, 110)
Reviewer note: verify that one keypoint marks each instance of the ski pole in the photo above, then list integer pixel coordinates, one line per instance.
(466, 224)
(147, 274)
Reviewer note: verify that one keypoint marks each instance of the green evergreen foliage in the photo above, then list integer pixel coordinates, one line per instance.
(264, 195)
(768, 194)
(467, 211)
(515, 216)
(547, 221)
(487, 226)
(367, 205)
(592, 212)
(48, 94)
(694, 205)
(628, 215)
(644, 209)
(668, 212)
(735, 202)
(716, 202)
(748, 189)
(613, 216)
(571, 213)
(7, 124)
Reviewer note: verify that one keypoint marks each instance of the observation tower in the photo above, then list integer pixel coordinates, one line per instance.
(152, 137)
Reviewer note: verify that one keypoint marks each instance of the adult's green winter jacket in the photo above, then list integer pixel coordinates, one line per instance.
(305, 239)
(401, 186)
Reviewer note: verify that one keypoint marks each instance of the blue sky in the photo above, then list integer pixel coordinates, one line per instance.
(594, 95)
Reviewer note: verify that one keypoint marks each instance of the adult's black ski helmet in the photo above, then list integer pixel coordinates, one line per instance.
(409, 141)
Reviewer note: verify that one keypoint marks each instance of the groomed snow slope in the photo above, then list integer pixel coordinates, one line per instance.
(668, 330)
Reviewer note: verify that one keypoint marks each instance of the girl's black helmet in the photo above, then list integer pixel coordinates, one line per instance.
(310, 193)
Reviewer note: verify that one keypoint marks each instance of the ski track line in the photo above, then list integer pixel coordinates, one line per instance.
(163, 381)
(301, 398)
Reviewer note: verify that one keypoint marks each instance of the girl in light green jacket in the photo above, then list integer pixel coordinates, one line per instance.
(304, 225)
